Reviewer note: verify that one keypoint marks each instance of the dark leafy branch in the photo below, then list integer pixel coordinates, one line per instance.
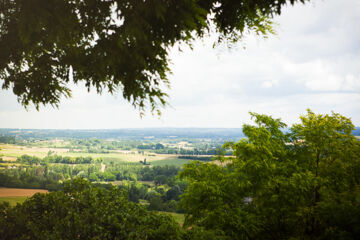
(115, 45)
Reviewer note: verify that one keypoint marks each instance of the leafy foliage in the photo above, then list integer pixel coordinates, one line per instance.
(112, 45)
(83, 211)
(303, 184)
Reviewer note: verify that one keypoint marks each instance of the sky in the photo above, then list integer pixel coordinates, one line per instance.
(312, 62)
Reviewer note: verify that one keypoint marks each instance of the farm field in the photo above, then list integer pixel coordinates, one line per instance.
(11, 152)
(20, 192)
(9, 159)
(13, 200)
(175, 162)
(42, 169)
(17, 195)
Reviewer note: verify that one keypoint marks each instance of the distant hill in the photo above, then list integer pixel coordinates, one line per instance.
(356, 132)
(127, 133)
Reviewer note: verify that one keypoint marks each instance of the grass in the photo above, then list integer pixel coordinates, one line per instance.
(175, 162)
(13, 200)
(179, 217)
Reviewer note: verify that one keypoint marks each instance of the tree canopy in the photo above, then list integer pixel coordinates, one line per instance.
(83, 211)
(114, 45)
(299, 184)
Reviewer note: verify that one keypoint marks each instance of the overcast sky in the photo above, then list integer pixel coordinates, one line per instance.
(313, 62)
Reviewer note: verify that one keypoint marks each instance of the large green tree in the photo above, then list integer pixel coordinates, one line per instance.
(297, 184)
(112, 45)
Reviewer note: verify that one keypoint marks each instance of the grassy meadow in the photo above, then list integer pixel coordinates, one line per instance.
(13, 200)
(171, 161)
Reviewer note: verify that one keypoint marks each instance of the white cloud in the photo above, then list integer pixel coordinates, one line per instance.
(269, 84)
(316, 75)
(351, 83)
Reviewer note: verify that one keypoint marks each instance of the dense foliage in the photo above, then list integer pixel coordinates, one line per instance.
(30, 160)
(83, 211)
(112, 45)
(33, 177)
(304, 184)
(163, 197)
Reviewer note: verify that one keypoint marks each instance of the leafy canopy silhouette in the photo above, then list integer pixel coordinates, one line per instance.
(114, 45)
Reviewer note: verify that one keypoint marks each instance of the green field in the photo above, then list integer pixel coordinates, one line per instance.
(13, 200)
(175, 162)
(8, 150)
(179, 217)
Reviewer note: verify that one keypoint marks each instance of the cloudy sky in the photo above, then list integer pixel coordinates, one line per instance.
(313, 62)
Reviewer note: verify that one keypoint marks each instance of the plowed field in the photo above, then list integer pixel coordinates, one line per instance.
(19, 192)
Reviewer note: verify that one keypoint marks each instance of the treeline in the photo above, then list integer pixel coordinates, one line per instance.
(38, 178)
(136, 171)
(151, 146)
(7, 139)
(199, 158)
(30, 160)
(43, 175)
(212, 151)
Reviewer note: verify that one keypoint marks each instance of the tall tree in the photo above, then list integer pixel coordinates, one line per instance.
(303, 184)
(114, 45)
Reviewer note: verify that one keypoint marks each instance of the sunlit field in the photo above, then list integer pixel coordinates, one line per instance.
(11, 152)
(13, 200)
